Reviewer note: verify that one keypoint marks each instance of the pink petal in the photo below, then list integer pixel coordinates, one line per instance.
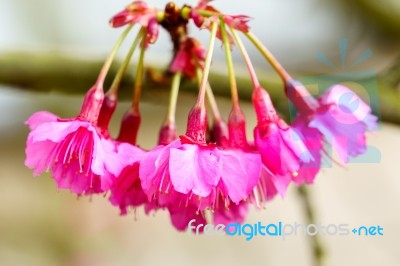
(127, 191)
(352, 109)
(276, 152)
(346, 139)
(240, 172)
(154, 163)
(39, 118)
(37, 155)
(313, 141)
(195, 169)
(57, 131)
(181, 216)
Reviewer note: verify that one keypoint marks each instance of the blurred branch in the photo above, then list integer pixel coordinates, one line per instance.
(382, 15)
(318, 250)
(53, 72)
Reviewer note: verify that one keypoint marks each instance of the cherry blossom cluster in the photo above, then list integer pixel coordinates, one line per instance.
(212, 171)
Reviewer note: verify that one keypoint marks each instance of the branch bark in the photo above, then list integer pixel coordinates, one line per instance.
(45, 72)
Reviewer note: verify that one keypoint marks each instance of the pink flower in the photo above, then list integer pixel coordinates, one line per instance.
(139, 12)
(189, 57)
(126, 189)
(282, 151)
(281, 148)
(79, 157)
(237, 22)
(339, 115)
(197, 171)
(182, 167)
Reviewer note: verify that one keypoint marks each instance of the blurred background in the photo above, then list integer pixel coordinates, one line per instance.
(50, 53)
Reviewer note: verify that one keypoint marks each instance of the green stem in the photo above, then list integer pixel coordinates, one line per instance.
(252, 72)
(110, 58)
(139, 78)
(207, 13)
(211, 98)
(207, 64)
(176, 80)
(121, 71)
(229, 63)
(269, 57)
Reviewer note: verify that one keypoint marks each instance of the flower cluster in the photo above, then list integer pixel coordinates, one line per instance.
(212, 167)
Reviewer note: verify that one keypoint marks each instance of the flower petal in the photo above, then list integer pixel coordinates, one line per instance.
(193, 168)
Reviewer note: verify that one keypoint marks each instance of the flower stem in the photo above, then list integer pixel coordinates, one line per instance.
(269, 57)
(207, 64)
(246, 58)
(207, 13)
(176, 80)
(229, 62)
(139, 78)
(211, 98)
(110, 58)
(121, 71)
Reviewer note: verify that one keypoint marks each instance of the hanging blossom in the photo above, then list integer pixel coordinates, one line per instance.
(125, 188)
(338, 115)
(203, 10)
(238, 22)
(282, 151)
(79, 157)
(189, 57)
(188, 175)
(139, 12)
(194, 173)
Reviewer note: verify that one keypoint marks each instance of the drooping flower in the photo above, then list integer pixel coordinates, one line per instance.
(189, 57)
(139, 12)
(339, 115)
(238, 22)
(190, 172)
(281, 148)
(78, 156)
(126, 189)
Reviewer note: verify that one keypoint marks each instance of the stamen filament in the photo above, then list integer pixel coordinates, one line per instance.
(121, 71)
(139, 78)
(229, 62)
(269, 57)
(110, 58)
(207, 64)
(246, 58)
